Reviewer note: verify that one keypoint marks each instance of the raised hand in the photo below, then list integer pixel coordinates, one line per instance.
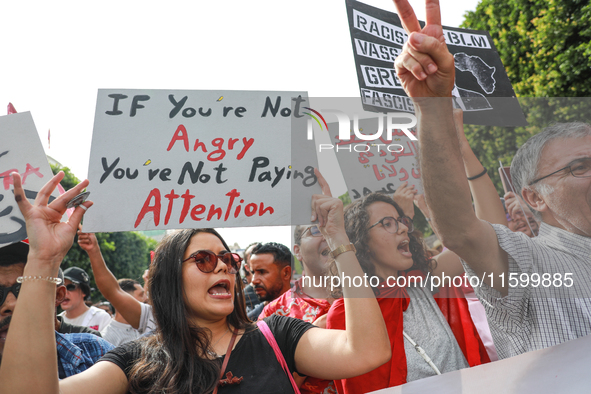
(425, 67)
(328, 211)
(49, 238)
(87, 241)
(404, 196)
(514, 208)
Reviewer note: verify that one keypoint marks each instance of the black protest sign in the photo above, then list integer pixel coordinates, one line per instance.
(482, 90)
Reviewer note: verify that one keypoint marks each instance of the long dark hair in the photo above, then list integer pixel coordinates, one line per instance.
(173, 360)
(357, 223)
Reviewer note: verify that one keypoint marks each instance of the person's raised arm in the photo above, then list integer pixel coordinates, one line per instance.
(404, 197)
(123, 302)
(32, 328)
(364, 345)
(487, 204)
(426, 71)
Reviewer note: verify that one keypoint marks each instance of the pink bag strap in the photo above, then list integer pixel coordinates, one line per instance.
(271, 339)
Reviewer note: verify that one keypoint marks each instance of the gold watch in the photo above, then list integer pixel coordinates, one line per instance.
(342, 249)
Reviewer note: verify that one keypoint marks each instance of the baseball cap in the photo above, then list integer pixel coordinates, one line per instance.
(15, 251)
(77, 275)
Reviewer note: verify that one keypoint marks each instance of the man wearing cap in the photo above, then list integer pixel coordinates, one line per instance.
(75, 309)
(76, 351)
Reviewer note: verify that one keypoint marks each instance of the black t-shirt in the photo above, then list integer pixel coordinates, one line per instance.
(252, 358)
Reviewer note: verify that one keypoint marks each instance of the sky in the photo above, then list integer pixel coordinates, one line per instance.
(56, 55)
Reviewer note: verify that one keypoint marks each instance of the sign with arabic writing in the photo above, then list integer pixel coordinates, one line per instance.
(381, 165)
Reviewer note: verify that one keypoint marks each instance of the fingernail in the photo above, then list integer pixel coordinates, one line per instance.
(422, 75)
(418, 38)
(431, 68)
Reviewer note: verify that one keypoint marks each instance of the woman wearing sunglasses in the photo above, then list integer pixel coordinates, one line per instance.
(204, 342)
(388, 251)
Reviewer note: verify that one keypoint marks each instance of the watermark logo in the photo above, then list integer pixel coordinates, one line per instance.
(391, 123)
(310, 130)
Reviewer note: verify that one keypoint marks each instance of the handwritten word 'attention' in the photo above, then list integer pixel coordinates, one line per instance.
(153, 205)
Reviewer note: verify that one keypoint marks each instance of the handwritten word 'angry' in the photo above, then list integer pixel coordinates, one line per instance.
(181, 135)
(153, 205)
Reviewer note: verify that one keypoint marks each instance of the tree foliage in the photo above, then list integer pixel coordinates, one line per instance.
(545, 46)
(127, 254)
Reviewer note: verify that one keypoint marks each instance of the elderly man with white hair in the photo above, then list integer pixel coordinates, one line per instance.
(536, 291)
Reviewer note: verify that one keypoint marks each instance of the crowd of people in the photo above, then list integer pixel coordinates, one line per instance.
(209, 320)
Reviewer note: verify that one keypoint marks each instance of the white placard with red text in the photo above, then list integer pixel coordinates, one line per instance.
(166, 159)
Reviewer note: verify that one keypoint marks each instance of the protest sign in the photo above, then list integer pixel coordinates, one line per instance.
(374, 152)
(166, 159)
(21, 152)
(557, 369)
(377, 165)
(482, 88)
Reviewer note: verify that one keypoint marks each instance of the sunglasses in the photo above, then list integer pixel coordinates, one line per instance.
(207, 261)
(71, 287)
(15, 289)
(314, 231)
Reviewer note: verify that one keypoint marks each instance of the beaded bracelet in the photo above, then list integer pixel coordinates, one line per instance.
(49, 279)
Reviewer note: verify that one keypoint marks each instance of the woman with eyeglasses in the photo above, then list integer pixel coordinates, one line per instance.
(204, 343)
(399, 271)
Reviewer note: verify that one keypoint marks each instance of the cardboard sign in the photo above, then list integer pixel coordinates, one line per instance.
(483, 90)
(379, 165)
(558, 369)
(21, 151)
(168, 159)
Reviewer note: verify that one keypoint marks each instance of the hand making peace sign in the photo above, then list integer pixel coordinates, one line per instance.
(425, 67)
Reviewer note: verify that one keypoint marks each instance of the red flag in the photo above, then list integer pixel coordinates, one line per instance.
(11, 109)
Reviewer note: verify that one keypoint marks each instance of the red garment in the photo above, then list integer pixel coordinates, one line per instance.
(394, 372)
(295, 303)
(454, 308)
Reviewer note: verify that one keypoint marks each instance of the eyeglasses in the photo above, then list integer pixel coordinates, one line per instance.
(207, 261)
(15, 289)
(314, 231)
(580, 168)
(391, 224)
(71, 287)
